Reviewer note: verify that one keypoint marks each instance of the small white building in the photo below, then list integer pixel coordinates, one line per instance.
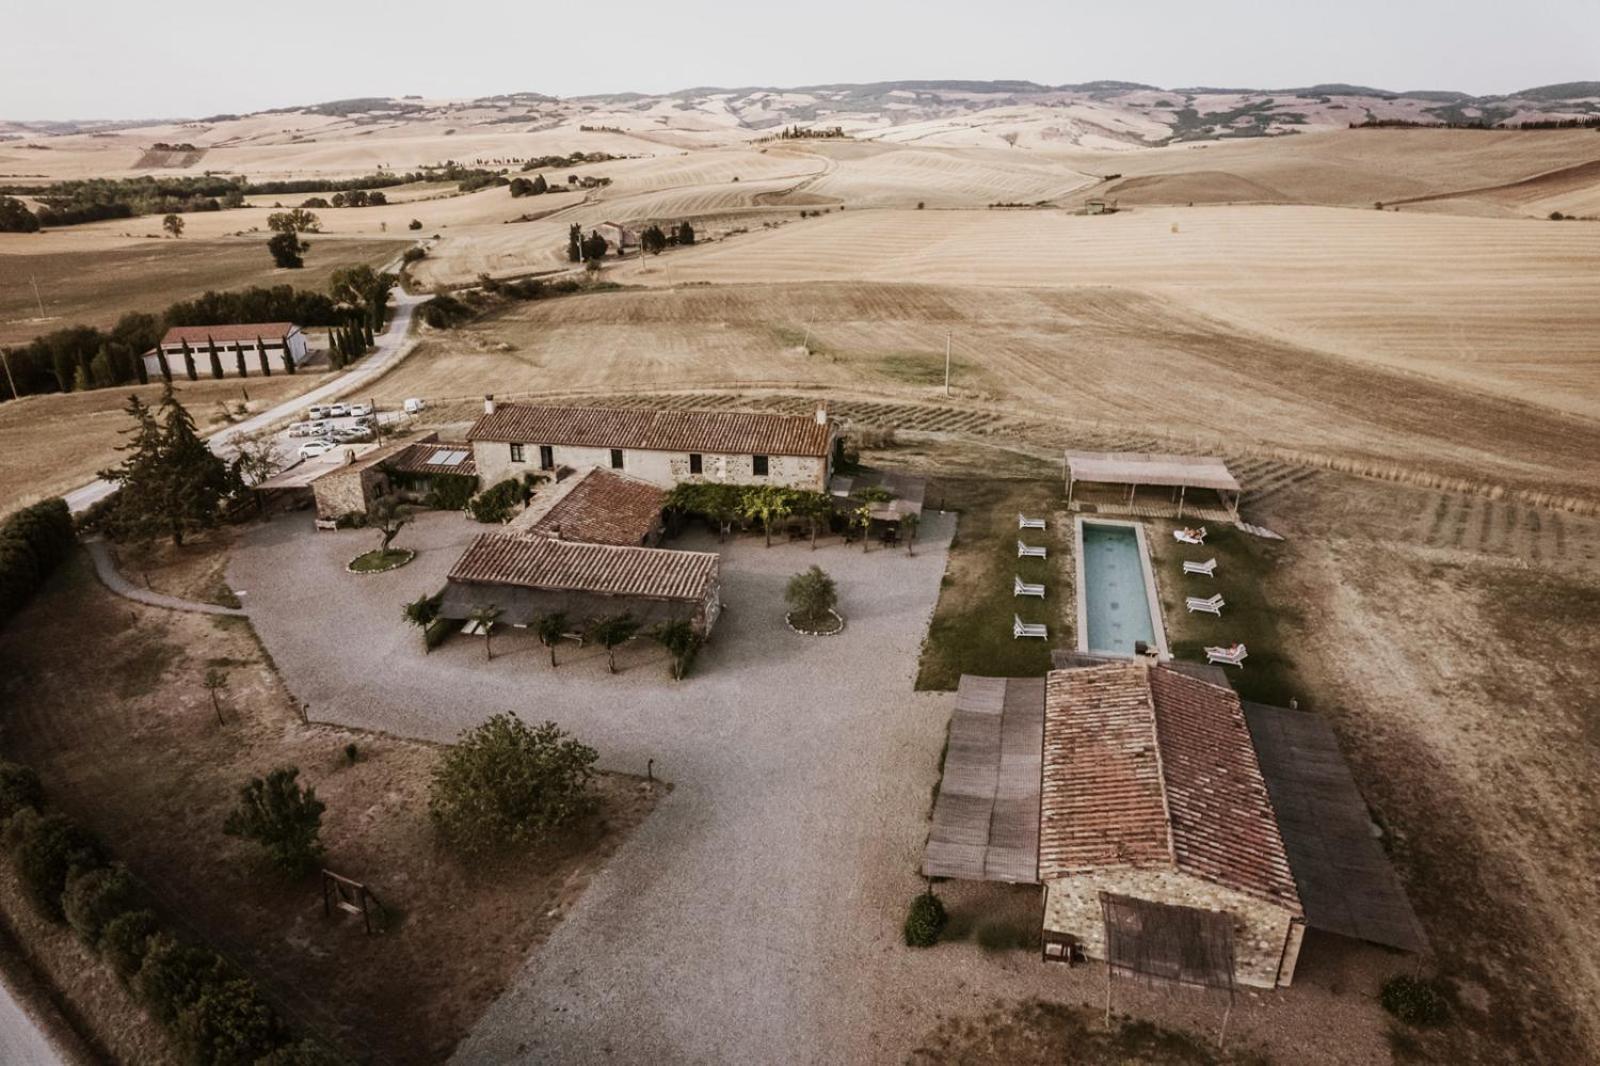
(618, 238)
(663, 448)
(246, 345)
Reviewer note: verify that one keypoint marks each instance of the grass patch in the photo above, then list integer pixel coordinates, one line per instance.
(378, 560)
(916, 368)
(140, 671)
(1244, 569)
(971, 628)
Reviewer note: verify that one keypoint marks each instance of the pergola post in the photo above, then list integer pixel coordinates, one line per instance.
(1181, 490)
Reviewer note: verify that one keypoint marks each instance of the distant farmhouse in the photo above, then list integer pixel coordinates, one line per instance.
(236, 346)
(618, 238)
(663, 448)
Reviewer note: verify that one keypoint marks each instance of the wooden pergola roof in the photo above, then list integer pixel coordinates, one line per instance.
(1141, 468)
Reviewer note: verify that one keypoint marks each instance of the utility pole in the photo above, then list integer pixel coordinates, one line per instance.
(947, 362)
(6, 361)
(36, 297)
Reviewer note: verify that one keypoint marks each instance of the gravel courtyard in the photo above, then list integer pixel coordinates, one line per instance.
(755, 916)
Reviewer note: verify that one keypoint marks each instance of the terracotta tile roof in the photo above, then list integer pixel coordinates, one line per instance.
(599, 507)
(418, 457)
(249, 331)
(563, 565)
(1148, 766)
(718, 432)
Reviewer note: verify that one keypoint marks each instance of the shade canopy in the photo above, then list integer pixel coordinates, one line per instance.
(1143, 468)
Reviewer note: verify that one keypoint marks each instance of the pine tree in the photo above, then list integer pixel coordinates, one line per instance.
(196, 479)
(216, 359)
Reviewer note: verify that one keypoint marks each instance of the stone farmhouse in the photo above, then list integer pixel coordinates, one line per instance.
(663, 448)
(236, 345)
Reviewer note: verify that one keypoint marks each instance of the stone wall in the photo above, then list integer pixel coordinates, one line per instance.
(664, 469)
(1266, 937)
(343, 492)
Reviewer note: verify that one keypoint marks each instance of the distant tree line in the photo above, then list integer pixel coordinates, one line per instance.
(85, 357)
(807, 133)
(1590, 122)
(544, 162)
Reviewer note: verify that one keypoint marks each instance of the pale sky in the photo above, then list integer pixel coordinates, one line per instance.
(186, 58)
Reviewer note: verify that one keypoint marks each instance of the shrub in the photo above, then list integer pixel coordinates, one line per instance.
(415, 223)
(94, 897)
(1415, 1001)
(47, 849)
(281, 816)
(125, 939)
(19, 790)
(286, 249)
(304, 1053)
(33, 542)
(444, 312)
(508, 783)
(925, 920)
(229, 1023)
(494, 504)
(811, 594)
(412, 254)
(450, 492)
(173, 975)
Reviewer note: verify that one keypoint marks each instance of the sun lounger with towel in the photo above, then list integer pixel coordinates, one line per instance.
(1233, 656)
(1020, 587)
(1190, 536)
(1208, 568)
(1209, 605)
(1029, 523)
(1026, 551)
(1019, 628)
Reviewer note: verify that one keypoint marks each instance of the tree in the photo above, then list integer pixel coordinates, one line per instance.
(125, 939)
(286, 248)
(377, 199)
(47, 850)
(422, 612)
(520, 187)
(19, 790)
(861, 518)
(685, 233)
(169, 481)
(681, 641)
(296, 221)
(594, 247)
(653, 240)
(261, 352)
(94, 897)
(908, 526)
(505, 783)
(816, 508)
(281, 816)
(551, 628)
(811, 595)
(768, 504)
(216, 359)
(611, 633)
(229, 1022)
(188, 361)
(216, 681)
(415, 223)
(173, 225)
(485, 618)
(388, 519)
(15, 216)
(538, 186)
(574, 243)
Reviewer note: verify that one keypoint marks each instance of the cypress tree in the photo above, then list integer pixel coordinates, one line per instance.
(140, 369)
(188, 362)
(288, 359)
(216, 358)
(166, 367)
(371, 338)
(238, 354)
(261, 350)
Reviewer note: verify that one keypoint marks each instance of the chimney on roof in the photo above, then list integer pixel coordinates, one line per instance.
(488, 403)
(822, 414)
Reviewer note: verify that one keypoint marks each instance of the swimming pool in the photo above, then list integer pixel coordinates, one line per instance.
(1117, 603)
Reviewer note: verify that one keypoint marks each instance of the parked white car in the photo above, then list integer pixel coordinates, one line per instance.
(316, 411)
(349, 434)
(312, 449)
(338, 410)
(300, 429)
(318, 429)
(414, 406)
(360, 410)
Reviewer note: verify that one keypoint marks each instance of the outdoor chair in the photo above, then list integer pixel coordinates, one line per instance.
(1208, 605)
(1020, 587)
(1233, 656)
(1019, 628)
(1190, 536)
(1025, 551)
(1207, 568)
(1029, 523)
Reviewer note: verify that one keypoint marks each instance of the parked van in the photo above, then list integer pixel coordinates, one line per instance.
(360, 410)
(414, 406)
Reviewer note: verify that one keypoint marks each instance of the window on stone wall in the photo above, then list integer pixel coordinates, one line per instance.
(696, 463)
(518, 454)
(547, 457)
(758, 465)
(616, 458)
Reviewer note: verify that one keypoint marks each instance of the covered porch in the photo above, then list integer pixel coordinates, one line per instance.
(1176, 486)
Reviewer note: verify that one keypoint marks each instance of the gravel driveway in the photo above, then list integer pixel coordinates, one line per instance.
(754, 918)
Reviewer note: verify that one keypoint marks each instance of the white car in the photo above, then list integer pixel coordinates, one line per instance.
(348, 434)
(312, 449)
(317, 411)
(318, 429)
(414, 406)
(360, 410)
(338, 410)
(300, 429)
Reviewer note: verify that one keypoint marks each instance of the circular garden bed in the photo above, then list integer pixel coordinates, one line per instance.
(826, 625)
(379, 561)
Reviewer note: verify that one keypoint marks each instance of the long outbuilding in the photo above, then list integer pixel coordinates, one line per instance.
(1175, 473)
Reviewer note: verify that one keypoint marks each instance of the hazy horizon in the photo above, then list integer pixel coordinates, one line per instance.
(409, 49)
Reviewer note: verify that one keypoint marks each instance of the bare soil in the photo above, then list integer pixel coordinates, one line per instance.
(134, 750)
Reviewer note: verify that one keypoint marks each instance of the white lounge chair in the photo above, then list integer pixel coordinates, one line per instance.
(1208, 605)
(1027, 551)
(1020, 587)
(1190, 536)
(1029, 523)
(1207, 568)
(1233, 656)
(1019, 628)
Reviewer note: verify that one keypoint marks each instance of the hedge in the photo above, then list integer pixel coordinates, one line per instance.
(33, 542)
(47, 850)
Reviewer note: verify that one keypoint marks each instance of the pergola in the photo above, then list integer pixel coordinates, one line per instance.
(1174, 472)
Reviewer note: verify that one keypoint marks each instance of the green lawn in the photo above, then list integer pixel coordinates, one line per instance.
(971, 628)
(1249, 617)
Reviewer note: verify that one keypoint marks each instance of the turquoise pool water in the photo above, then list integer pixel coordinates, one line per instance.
(1116, 603)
